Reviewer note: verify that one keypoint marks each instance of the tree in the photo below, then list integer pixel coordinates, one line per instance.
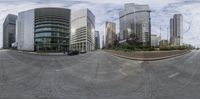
(133, 40)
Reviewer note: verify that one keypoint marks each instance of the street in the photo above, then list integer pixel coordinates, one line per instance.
(98, 75)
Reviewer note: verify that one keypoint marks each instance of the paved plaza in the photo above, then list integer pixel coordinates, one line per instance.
(97, 75)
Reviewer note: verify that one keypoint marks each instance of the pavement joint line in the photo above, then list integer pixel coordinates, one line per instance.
(173, 75)
(123, 73)
(145, 82)
(102, 72)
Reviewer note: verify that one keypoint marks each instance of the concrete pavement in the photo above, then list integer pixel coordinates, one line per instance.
(97, 75)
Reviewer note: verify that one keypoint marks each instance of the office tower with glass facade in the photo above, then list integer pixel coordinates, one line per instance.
(82, 31)
(110, 34)
(171, 31)
(176, 30)
(44, 29)
(135, 23)
(9, 30)
(97, 40)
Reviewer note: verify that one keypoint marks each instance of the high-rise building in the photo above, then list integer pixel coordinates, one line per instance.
(176, 30)
(103, 44)
(171, 31)
(9, 30)
(97, 40)
(82, 30)
(135, 22)
(154, 40)
(43, 29)
(110, 34)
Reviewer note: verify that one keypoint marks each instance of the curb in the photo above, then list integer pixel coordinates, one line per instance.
(150, 59)
(43, 54)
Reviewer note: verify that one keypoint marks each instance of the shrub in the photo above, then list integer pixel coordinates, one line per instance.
(183, 47)
(128, 47)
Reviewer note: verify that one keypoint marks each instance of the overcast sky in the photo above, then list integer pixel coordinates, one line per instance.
(108, 10)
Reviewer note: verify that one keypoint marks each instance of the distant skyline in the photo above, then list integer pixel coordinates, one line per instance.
(108, 10)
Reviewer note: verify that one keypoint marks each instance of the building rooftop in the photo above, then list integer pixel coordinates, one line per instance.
(132, 8)
(10, 19)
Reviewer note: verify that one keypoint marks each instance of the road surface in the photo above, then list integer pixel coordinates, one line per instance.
(97, 75)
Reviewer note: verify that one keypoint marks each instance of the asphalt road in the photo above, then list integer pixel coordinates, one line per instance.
(97, 75)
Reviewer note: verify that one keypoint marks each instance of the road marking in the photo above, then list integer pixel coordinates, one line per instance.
(173, 75)
(102, 72)
(58, 70)
(123, 73)
(61, 69)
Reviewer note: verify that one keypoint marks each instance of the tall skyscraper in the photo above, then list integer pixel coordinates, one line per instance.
(82, 30)
(9, 30)
(171, 31)
(135, 22)
(103, 44)
(176, 30)
(97, 40)
(44, 29)
(110, 34)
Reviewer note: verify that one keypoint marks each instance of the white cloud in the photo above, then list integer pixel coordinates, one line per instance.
(107, 10)
(190, 12)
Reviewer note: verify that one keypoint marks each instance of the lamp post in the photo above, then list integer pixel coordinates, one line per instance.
(64, 42)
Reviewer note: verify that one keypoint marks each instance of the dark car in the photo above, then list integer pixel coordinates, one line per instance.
(73, 53)
(82, 52)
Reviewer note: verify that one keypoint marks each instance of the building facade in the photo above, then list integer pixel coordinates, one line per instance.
(97, 40)
(176, 30)
(154, 40)
(135, 22)
(103, 44)
(171, 31)
(9, 30)
(44, 29)
(110, 34)
(163, 43)
(82, 31)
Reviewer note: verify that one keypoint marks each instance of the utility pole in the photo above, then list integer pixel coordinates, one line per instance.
(167, 35)
(160, 32)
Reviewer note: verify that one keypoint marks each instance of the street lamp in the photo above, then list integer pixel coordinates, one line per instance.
(64, 42)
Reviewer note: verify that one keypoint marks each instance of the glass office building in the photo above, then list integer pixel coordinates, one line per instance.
(110, 34)
(135, 20)
(9, 30)
(176, 30)
(50, 29)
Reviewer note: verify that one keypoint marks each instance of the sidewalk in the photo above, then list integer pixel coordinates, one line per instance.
(145, 56)
(43, 53)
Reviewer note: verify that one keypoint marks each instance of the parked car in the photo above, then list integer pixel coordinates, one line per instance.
(73, 53)
(82, 52)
